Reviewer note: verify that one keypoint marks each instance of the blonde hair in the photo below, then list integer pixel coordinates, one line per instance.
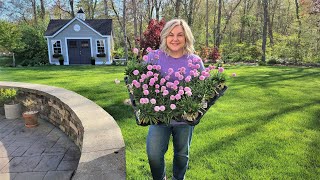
(188, 48)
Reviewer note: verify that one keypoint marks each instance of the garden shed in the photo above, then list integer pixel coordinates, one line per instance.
(78, 40)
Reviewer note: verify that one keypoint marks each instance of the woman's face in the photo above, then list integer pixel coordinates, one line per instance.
(176, 40)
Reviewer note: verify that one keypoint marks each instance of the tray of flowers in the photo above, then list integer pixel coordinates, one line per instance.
(157, 100)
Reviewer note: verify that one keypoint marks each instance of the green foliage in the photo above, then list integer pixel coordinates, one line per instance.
(285, 48)
(35, 50)
(10, 36)
(241, 52)
(8, 95)
(118, 53)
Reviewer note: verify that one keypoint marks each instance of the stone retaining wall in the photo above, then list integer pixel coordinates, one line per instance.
(92, 129)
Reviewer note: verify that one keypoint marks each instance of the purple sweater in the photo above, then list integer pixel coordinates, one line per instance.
(165, 61)
(158, 57)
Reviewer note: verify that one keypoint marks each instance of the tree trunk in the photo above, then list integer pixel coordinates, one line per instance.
(72, 8)
(43, 11)
(207, 23)
(217, 35)
(190, 13)
(106, 8)
(135, 24)
(34, 9)
(270, 21)
(299, 28)
(242, 28)
(177, 8)
(124, 30)
(264, 32)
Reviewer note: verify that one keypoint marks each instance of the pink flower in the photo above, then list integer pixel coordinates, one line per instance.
(145, 92)
(197, 66)
(156, 56)
(170, 70)
(176, 82)
(145, 86)
(180, 87)
(172, 97)
(149, 73)
(149, 67)
(172, 106)
(157, 91)
(146, 100)
(157, 86)
(211, 67)
(163, 88)
(149, 49)
(234, 74)
(145, 58)
(141, 100)
(152, 80)
(158, 68)
(156, 75)
(181, 77)
(162, 81)
(135, 72)
(143, 76)
(190, 64)
(181, 92)
(137, 85)
(135, 50)
(202, 78)
(220, 69)
(153, 101)
(174, 87)
(165, 92)
(178, 96)
(176, 74)
(162, 108)
(167, 77)
(188, 79)
(189, 93)
(195, 60)
(187, 89)
(156, 108)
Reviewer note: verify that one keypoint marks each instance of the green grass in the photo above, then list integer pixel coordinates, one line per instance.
(267, 126)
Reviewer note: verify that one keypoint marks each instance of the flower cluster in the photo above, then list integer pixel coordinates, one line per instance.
(177, 95)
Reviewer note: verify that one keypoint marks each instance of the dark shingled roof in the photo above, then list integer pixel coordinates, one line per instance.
(103, 26)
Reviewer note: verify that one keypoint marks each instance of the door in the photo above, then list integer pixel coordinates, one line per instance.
(79, 51)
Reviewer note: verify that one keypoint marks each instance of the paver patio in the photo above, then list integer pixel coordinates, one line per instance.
(40, 153)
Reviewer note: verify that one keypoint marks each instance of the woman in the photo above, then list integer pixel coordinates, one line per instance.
(176, 50)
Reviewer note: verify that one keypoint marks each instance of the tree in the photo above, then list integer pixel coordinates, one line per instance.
(217, 35)
(10, 38)
(264, 33)
(151, 37)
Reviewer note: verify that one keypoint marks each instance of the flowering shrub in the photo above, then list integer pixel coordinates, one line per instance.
(161, 99)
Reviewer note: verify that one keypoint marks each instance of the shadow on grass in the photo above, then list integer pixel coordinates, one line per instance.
(265, 79)
(262, 120)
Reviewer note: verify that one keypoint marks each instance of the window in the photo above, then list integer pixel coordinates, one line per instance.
(56, 44)
(100, 46)
(84, 44)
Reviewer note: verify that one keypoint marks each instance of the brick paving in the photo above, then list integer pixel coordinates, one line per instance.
(40, 153)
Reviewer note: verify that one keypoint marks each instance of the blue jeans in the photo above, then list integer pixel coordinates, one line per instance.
(157, 146)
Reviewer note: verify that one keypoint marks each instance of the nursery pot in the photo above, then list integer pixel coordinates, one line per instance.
(93, 62)
(61, 62)
(12, 111)
(30, 118)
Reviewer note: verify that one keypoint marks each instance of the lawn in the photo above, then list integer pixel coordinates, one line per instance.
(267, 126)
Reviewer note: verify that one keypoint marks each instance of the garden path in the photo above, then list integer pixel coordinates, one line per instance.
(40, 153)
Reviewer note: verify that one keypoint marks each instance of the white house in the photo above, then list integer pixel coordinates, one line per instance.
(78, 39)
